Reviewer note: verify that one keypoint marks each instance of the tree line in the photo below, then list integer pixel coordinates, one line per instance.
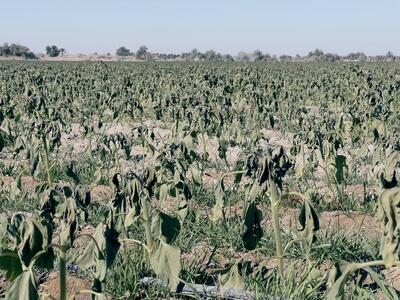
(257, 56)
(24, 52)
(143, 53)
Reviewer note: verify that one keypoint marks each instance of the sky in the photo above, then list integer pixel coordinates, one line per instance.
(227, 26)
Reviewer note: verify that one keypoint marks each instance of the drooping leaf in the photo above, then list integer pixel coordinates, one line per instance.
(69, 223)
(164, 226)
(388, 177)
(99, 252)
(312, 280)
(15, 227)
(217, 211)
(48, 205)
(131, 217)
(34, 239)
(232, 279)
(163, 194)
(253, 230)
(3, 229)
(341, 166)
(24, 287)
(337, 279)
(309, 222)
(2, 143)
(196, 175)
(165, 262)
(89, 255)
(388, 215)
(71, 172)
(387, 291)
(183, 209)
(10, 264)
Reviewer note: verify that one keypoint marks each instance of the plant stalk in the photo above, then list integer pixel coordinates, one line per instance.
(147, 224)
(63, 274)
(46, 159)
(275, 223)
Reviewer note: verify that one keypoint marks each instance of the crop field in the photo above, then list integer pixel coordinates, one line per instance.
(199, 180)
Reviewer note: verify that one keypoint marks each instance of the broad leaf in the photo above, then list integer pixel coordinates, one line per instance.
(24, 287)
(309, 221)
(164, 226)
(253, 231)
(217, 211)
(341, 166)
(165, 262)
(10, 264)
(232, 279)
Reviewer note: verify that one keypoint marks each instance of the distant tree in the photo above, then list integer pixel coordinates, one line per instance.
(185, 55)
(316, 53)
(258, 55)
(331, 57)
(194, 54)
(356, 56)
(210, 55)
(285, 57)
(390, 56)
(53, 51)
(29, 55)
(16, 50)
(243, 56)
(227, 57)
(142, 52)
(267, 57)
(62, 51)
(122, 51)
(201, 56)
(380, 58)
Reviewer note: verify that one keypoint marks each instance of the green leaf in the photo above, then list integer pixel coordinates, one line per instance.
(10, 264)
(165, 262)
(14, 229)
(131, 217)
(232, 279)
(183, 209)
(196, 175)
(3, 229)
(133, 190)
(340, 165)
(24, 287)
(312, 280)
(388, 291)
(217, 211)
(2, 143)
(88, 256)
(34, 238)
(309, 221)
(99, 252)
(69, 226)
(337, 278)
(253, 231)
(388, 215)
(164, 226)
(163, 194)
(388, 177)
(71, 172)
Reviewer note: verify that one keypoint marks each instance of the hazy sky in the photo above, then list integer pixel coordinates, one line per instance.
(228, 26)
